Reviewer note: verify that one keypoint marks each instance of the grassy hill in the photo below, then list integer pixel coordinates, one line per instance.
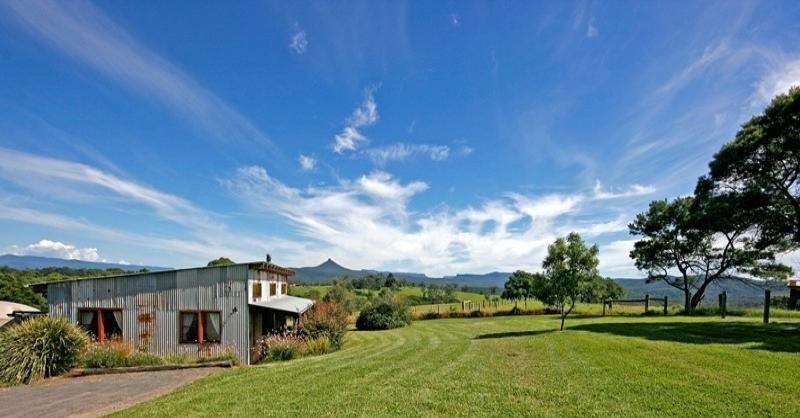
(520, 366)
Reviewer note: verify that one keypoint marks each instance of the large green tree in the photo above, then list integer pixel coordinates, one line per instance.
(761, 168)
(569, 265)
(689, 243)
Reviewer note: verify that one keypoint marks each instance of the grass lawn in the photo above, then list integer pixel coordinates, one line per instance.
(518, 366)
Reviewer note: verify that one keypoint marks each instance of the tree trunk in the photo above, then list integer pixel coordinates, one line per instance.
(687, 301)
(700, 293)
(563, 317)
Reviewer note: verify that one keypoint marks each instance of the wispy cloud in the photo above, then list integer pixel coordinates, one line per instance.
(591, 29)
(307, 163)
(82, 31)
(53, 176)
(401, 151)
(364, 115)
(368, 222)
(299, 42)
(202, 233)
(455, 19)
(48, 248)
(633, 190)
(784, 76)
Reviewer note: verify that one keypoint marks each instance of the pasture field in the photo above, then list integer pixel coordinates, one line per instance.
(303, 290)
(521, 366)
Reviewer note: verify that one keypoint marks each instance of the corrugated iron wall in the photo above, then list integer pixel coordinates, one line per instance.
(151, 304)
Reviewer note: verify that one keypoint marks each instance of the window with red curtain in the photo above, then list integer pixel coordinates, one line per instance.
(101, 324)
(200, 327)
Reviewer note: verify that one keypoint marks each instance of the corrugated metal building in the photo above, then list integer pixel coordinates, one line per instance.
(200, 312)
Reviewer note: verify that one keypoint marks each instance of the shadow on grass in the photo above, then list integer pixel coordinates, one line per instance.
(772, 337)
(511, 334)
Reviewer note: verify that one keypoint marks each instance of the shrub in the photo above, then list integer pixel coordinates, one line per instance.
(38, 348)
(385, 313)
(326, 319)
(317, 346)
(278, 347)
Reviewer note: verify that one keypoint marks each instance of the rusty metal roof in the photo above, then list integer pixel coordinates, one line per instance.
(257, 265)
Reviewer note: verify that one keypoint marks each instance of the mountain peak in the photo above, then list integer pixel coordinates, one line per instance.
(330, 263)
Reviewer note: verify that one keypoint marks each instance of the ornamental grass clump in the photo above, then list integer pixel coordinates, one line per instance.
(38, 348)
(117, 353)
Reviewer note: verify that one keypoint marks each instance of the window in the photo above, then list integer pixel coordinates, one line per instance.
(200, 327)
(101, 324)
(283, 289)
(272, 289)
(257, 290)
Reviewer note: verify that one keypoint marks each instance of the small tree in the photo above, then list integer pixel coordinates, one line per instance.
(568, 266)
(519, 286)
(222, 261)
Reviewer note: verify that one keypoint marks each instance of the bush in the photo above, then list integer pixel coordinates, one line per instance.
(326, 319)
(385, 313)
(278, 347)
(38, 348)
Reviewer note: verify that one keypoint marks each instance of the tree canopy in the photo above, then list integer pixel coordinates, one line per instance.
(222, 261)
(760, 167)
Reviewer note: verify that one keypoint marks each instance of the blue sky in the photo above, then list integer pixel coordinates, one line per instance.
(440, 137)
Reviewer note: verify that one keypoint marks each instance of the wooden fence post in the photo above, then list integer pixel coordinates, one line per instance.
(646, 303)
(665, 305)
(766, 305)
(724, 308)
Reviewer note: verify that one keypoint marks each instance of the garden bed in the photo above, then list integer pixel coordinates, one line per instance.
(154, 368)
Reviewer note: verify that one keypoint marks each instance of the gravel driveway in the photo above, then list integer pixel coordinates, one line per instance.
(92, 395)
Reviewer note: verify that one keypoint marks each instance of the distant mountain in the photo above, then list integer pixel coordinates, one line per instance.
(22, 262)
(330, 270)
(739, 292)
(478, 280)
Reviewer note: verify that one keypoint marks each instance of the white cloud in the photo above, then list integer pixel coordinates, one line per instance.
(48, 248)
(53, 176)
(347, 140)
(615, 259)
(401, 151)
(299, 42)
(591, 29)
(203, 233)
(367, 222)
(307, 163)
(632, 191)
(455, 20)
(364, 115)
(778, 81)
(82, 31)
